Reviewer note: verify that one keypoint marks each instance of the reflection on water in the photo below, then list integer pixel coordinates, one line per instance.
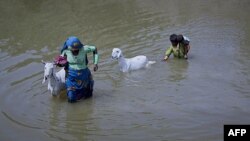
(175, 100)
(177, 70)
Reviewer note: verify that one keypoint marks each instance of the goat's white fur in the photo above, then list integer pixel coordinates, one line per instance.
(56, 80)
(127, 64)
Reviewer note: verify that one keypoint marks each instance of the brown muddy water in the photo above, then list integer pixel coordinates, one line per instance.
(175, 101)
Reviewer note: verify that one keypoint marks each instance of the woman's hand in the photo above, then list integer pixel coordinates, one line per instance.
(95, 67)
(165, 58)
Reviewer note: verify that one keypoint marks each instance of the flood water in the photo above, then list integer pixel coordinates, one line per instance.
(175, 101)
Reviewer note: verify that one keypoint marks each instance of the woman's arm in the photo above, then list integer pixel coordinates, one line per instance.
(96, 59)
(168, 53)
(93, 49)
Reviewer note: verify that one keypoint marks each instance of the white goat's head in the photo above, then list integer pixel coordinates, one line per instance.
(116, 53)
(48, 70)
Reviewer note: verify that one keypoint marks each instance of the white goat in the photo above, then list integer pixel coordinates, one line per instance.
(56, 80)
(127, 64)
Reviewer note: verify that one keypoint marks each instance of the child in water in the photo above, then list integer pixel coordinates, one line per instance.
(179, 47)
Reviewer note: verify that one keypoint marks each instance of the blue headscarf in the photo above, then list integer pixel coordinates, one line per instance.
(70, 42)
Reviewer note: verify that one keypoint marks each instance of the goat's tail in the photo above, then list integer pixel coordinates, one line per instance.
(150, 63)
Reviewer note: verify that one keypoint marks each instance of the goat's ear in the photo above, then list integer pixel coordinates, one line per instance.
(119, 54)
(43, 62)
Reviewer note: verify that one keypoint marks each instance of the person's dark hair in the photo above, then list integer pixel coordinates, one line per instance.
(180, 38)
(185, 42)
(173, 38)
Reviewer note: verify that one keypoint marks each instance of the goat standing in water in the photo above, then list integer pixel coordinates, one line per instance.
(127, 64)
(56, 80)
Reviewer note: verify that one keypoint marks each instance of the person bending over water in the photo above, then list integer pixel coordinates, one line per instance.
(179, 47)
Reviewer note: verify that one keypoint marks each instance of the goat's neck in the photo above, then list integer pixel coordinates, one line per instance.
(123, 63)
(52, 80)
